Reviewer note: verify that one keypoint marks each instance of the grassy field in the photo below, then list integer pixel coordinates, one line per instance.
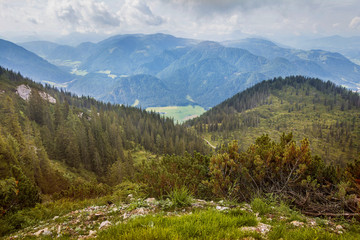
(179, 113)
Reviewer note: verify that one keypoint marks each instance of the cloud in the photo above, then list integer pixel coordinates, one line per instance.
(138, 12)
(355, 23)
(33, 20)
(84, 15)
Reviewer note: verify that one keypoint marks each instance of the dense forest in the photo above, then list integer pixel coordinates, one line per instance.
(325, 113)
(48, 148)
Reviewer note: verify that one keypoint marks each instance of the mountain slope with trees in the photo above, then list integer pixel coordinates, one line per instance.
(75, 147)
(325, 113)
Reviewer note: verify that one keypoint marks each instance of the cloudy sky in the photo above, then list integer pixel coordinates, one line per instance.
(200, 19)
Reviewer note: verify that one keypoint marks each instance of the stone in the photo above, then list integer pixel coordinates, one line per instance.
(38, 233)
(264, 228)
(150, 200)
(312, 223)
(297, 223)
(105, 224)
(261, 228)
(248, 229)
(46, 232)
(220, 208)
(339, 227)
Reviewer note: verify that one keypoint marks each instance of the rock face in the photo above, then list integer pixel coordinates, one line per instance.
(24, 92)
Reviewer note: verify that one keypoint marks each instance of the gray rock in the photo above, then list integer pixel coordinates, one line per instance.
(105, 224)
(150, 200)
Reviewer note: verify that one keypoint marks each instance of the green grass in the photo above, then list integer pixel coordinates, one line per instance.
(181, 197)
(286, 231)
(207, 224)
(41, 212)
(179, 113)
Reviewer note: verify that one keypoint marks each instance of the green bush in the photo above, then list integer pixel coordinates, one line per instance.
(164, 174)
(124, 189)
(181, 197)
(261, 206)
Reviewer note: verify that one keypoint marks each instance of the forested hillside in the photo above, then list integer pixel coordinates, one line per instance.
(325, 113)
(56, 148)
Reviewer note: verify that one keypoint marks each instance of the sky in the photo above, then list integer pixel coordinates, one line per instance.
(217, 20)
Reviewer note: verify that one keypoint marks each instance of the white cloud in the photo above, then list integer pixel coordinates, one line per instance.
(83, 15)
(355, 23)
(138, 12)
(204, 19)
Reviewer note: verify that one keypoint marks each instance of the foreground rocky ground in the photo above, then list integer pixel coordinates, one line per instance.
(90, 221)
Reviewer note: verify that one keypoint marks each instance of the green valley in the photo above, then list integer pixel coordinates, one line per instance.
(179, 113)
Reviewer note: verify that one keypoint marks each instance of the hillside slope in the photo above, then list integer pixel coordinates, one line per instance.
(54, 143)
(21, 60)
(327, 114)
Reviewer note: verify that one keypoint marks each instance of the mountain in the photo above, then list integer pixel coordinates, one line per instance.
(181, 69)
(315, 63)
(124, 54)
(19, 59)
(348, 46)
(139, 90)
(325, 113)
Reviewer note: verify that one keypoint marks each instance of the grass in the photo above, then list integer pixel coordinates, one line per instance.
(179, 113)
(41, 212)
(206, 224)
(181, 197)
(200, 223)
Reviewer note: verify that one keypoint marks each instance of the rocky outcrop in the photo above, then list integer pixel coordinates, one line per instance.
(24, 92)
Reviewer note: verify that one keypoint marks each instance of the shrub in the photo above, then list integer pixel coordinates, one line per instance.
(124, 189)
(181, 197)
(164, 174)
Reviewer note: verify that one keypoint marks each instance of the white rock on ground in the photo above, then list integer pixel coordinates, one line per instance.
(105, 224)
(297, 223)
(220, 208)
(24, 92)
(150, 200)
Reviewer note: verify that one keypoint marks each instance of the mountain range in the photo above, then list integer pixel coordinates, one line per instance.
(163, 70)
